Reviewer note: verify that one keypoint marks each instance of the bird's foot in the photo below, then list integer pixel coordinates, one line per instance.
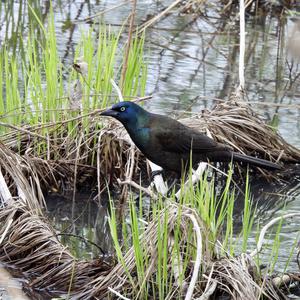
(155, 173)
(170, 190)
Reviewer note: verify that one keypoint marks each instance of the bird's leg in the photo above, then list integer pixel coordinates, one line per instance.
(157, 179)
(172, 186)
(155, 173)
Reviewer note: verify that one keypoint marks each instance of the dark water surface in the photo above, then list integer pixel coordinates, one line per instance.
(192, 62)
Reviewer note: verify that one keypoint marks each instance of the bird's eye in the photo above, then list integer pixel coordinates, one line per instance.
(122, 108)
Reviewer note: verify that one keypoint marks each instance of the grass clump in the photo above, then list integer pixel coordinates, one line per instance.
(178, 249)
(33, 90)
(49, 109)
(161, 254)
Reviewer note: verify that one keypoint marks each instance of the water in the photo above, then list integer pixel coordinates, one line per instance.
(87, 219)
(192, 63)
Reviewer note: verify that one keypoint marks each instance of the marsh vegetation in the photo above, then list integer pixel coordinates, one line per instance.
(78, 219)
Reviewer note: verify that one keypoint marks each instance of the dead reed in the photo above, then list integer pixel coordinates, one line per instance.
(29, 243)
(235, 123)
(104, 149)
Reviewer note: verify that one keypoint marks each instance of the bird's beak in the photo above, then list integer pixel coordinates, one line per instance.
(109, 112)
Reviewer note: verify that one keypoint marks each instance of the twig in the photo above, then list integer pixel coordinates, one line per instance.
(158, 181)
(31, 130)
(19, 129)
(131, 161)
(117, 294)
(242, 49)
(138, 187)
(81, 238)
(124, 68)
(120, 96)
(99, 167)
(129, 169)
(5, 194)
(208, 291)
(6, 230)
(75, 175)
(197, 265)
(178, 265)
(156, 18)
(199, 171)
(102, 12)
(266, 227)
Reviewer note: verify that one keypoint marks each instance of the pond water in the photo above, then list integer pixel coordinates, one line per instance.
(192, 64)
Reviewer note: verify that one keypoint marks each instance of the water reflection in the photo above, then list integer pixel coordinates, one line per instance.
(85, 219)
(271, 200)
(190, 56)
(268, 196)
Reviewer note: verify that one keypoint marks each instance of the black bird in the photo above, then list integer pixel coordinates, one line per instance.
(172, 145)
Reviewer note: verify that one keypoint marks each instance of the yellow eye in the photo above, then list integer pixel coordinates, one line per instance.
(122, 108)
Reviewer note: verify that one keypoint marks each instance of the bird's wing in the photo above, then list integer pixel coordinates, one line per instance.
(173, 136)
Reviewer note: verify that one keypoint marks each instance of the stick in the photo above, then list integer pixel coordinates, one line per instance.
(101, 12)
(199, 171)
(197, 265)
(124, 69)
(266, 227)
(177, 266)
(118, 294)
(242, 49)
(208, 291)
(195, 177)
(5, 194)
(156, 18)
(98, 167)
(75, 175)
(137, 186)
(120, 96)
(6, 230)
(129, 170)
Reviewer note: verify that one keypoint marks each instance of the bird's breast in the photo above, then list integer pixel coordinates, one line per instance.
(141, 137)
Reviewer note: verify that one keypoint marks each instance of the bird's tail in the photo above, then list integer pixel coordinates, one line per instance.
(255, 161)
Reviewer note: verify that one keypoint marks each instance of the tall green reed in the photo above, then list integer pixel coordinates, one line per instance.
(221, 237)
(214, 209)
(36, 87)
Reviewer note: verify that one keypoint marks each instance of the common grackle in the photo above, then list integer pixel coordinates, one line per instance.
(172, 145)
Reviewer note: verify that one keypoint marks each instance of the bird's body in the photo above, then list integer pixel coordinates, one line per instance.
(172, 145)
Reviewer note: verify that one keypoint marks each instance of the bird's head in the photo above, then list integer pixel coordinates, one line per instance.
(128, 113)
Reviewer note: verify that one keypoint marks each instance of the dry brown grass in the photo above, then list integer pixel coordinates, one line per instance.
(104, 151)
(29, 243)
(236, 124)
(54, 155)
(118, 277)
(239, 278)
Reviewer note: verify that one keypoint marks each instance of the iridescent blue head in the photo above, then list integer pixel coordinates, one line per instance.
(128, 113)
